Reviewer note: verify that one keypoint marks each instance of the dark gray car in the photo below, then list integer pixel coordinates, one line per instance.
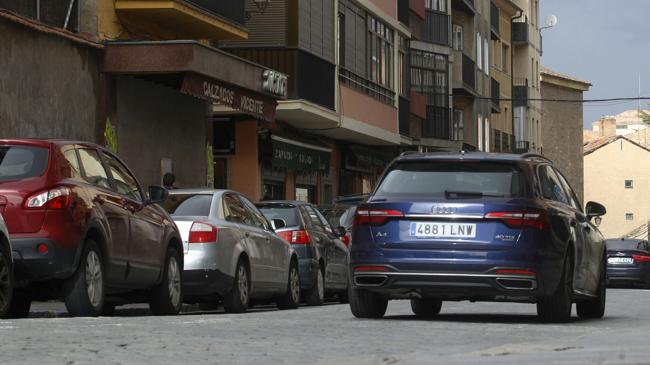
(322, 255)
(6, 270)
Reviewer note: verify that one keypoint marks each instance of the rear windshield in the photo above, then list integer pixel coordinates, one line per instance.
(196, 205)
(628, 245)
(288, 214)
(22, 162)
(452, 179)
(341, 216)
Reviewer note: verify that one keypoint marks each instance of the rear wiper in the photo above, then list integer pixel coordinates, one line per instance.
(471, 194)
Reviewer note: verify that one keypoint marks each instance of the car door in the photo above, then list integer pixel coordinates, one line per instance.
(146, 245)
(564, 221)
(236, 213)
(339, 256)
(324, 242)
(110, 206)
(594, 242)
(274, 250)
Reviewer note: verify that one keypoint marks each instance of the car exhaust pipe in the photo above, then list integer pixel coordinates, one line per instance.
(370, 280)
(517, 284)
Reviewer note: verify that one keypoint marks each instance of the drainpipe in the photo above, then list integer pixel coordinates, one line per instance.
(512, 77)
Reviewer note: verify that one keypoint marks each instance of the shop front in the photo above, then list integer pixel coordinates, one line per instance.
(361, 168)
(160, 103)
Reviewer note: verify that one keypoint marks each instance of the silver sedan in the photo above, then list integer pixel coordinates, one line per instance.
(232, 254)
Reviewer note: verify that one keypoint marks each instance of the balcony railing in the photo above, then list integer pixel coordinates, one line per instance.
(520, 92)
(469, 72)
(54, 13)
(520, 33)
(494, 21)
(310, 78)
(522, 147)
(438, 123)
(496, 96)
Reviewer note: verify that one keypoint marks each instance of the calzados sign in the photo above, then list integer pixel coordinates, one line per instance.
(247, 102)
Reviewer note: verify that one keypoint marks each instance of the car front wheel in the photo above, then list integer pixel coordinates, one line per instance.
(238, 298)
(84, 291)
(167, 297)
(316, 295)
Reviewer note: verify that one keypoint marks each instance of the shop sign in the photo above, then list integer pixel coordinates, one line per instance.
(275, 83)
(249, 102)
(298, 157)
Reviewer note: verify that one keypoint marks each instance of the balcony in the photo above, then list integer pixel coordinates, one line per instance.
(438, 123)
(520, 92)
(404, 116)
(520, 33)
(52, 13)
(465, 6)
(496, 95)
(185, 19)
(521, 147)
(494, 21)
(403, 12)
(464, 74)
(310, 78)
(435, 28)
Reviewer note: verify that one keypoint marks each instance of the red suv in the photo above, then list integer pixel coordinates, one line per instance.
(82, 229)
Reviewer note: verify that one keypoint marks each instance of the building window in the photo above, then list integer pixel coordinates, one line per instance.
(505, 57)
(436, 5)
(341, 40)
(629, 184)
(430, 76)
(479, 53)
(487, 132)
(479, 123)
(402, 66)
(486, 56)
(629, 216)
(458, 128)
(457, 38)
(380, 51)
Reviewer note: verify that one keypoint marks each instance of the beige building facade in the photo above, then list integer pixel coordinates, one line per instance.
(613, 177)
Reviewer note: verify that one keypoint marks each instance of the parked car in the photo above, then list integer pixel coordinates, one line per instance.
(628, 263)
(481, 227)
(232, 254)
(6, 268)
(322, 255)
(83, 229)
(341, 214)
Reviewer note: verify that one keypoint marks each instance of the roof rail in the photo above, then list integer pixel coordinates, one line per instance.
(536, 155)
(406, 153)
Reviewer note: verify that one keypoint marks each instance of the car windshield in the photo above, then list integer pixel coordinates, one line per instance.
(196, 205)
(22, 162)
(628, 245)
(288, 214)
(452, 179)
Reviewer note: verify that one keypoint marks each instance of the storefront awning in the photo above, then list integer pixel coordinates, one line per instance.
(201, 71)
(299, 156)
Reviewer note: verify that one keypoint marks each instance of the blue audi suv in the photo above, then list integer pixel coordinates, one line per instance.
(480, 227)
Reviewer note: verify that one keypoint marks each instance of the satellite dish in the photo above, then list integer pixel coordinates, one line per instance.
(551, 21)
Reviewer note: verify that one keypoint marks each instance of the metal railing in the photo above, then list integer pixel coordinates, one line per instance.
(366, 86)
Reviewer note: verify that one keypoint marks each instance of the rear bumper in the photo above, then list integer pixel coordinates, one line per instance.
(628, 277)
(31, 266)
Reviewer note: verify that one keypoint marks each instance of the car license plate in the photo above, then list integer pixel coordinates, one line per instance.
(620, 260)
(442, 230)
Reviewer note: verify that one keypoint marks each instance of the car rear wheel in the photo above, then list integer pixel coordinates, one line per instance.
(84, 291)
(557, 308)
(238, 298)
(6, 281)
(426, 308)
(291, 298)
(316, 295)
(595, 308)
(167, 297)
(20, 306)
(365, 304)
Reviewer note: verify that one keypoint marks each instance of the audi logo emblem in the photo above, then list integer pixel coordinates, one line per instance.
(443, 210)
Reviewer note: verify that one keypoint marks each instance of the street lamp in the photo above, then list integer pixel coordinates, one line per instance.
(261, 7)
(551, 21)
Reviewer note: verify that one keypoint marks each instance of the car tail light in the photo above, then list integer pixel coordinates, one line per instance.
(346, 239)
(299, 237)
(371, 268)
(641, 258)
(524, 272)
(375, 216)
(202, 232)
(56, 198)
(535, 220)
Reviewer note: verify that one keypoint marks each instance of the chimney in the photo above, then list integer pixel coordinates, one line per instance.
(607, 127)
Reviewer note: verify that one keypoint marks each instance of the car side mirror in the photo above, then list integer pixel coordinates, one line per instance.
(157, 194)
(340, 231)
(594, 209)
(278, 223)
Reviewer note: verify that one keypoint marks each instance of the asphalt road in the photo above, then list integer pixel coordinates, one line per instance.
(464, 333)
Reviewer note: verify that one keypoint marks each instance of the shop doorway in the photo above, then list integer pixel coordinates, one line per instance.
(306, 193)
(273, 190)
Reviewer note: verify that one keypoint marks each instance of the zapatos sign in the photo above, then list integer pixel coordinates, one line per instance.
(249, 102)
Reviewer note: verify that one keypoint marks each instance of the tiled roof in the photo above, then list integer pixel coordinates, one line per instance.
(595, 144)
